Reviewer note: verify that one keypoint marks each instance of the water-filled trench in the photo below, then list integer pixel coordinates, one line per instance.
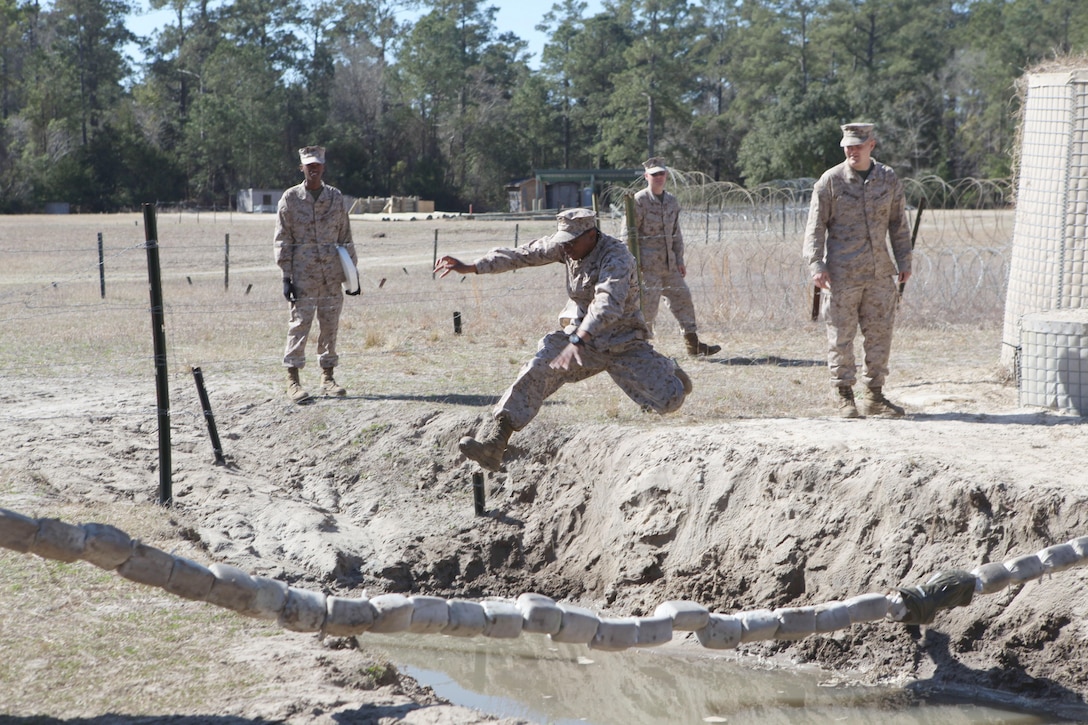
(763, 515)
(543, 682)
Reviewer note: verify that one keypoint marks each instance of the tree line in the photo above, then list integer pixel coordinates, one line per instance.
(446, 107)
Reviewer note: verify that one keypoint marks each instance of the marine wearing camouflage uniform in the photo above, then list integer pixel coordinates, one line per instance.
(661, 258)
(661, 252)
(600, 330)
(603, 291)
(851, 221)
(308, 231)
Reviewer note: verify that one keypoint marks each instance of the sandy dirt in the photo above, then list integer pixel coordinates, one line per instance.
(370, 493)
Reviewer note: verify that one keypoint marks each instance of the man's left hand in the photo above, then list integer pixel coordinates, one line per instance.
(562, 360)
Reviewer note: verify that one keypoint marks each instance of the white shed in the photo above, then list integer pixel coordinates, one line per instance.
(259, 201)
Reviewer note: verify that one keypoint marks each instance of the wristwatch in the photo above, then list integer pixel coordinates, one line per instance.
(575, 340)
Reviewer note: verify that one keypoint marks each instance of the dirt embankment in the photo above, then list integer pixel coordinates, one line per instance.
(370, 492)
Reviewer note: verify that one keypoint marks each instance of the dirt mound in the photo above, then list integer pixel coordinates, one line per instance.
(369, 492)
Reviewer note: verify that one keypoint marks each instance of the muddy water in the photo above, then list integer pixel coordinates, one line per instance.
(542, 682)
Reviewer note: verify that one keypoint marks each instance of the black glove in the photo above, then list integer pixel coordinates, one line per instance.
(289, 290)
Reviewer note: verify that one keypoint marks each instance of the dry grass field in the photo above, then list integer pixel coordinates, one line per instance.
(224, 312)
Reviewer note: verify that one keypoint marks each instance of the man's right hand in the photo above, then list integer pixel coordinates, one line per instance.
(289, 290)
(445, 265)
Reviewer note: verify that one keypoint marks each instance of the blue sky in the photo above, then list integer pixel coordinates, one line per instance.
(517, 16)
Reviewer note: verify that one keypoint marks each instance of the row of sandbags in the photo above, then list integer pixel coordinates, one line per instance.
(302, 610)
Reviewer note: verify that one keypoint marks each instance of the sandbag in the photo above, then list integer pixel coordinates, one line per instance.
(17, 532)
(832, 616)
(232, 589)
(304, 611)
(394, 613)
(686, 616)
(105, 546)
(502, 619)
(467, 619)
(578, 626)
(58, 540)
(795, 622)
(867, 608)
(758, 625)
(429, 614)
(147, 565)
(189, 579)
(614, 634)
(345, 616)
(653, 631)
(722, 631)
(540, 614)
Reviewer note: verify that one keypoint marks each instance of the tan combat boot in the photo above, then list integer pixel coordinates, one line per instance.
(877, 404)
(329, 386)
(845, 398)
(488, 451)
(699, 349)
(294, 387)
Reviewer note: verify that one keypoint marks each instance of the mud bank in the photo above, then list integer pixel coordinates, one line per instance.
(371, 493)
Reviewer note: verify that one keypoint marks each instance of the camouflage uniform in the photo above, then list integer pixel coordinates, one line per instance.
(603, 291)
(307, 234)
(850, 223)
(661, 253)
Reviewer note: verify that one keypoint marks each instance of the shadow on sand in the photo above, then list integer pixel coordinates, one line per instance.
(1008, 686)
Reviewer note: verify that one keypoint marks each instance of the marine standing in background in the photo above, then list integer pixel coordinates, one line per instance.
(600, 330)
(311, 221)
(661, 256)
(857, 207)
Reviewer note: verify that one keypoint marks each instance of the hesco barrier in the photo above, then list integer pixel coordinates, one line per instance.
(302, 610)
(1049, 264)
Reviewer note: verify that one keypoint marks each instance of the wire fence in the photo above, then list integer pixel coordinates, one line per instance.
(223, 299)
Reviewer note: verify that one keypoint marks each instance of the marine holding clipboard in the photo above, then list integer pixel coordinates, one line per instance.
(313, 234)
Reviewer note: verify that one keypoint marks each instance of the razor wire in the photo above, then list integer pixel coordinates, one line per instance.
(309, 611)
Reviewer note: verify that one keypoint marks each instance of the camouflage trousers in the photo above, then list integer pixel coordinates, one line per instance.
(323, 301)
(868, 306)
(645, 375)
(669, 284)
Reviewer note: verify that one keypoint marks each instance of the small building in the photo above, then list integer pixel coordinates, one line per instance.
(563, 188)
(259, 201)
(390, 205)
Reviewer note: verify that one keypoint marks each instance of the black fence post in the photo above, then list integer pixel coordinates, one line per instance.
(101, 268)
(478, 493)
(158, 335)
(206, 406)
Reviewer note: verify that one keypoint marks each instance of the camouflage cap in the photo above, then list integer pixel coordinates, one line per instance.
(855, 134)
(654, 165)
(573, 223)
(311, 155)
